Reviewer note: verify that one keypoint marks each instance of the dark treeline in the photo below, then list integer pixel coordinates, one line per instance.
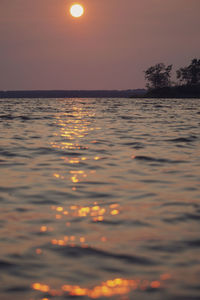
(159, 83)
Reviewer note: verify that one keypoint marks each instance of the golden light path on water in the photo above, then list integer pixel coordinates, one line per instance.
(117, 286)
(71, 132)
(109, 288)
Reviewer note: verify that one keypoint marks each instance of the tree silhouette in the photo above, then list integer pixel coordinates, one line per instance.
(190, 75)
(158, 76)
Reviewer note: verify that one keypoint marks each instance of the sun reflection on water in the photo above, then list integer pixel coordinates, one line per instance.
(95, 212)
(74, 126)
(109, 288)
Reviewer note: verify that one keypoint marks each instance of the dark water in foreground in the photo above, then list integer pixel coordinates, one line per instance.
(100, 199)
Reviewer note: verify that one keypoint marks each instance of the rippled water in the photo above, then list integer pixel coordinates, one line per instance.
(100, 199)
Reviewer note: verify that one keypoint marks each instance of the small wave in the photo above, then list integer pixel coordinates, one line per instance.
(11, 117)
(48, 150)
(13, 188)
(9, 153)
(6, 117)
(138, 223)
(44, 201)
(127, 117)
(99, 195)
(168, 248)
(158, 106)
(102, 183)
(175, 246)
(156, 181)
(109, 222)
(183, 218)
(153, 159)
(193, 243)
(17, 289)
(190, 139)
(135, 145)
(176, 204)
(144, 196)
(6, 265)
(82, 252)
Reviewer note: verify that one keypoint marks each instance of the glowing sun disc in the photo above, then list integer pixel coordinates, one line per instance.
(76, 10)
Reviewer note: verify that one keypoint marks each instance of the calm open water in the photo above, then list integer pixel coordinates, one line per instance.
(100, 199)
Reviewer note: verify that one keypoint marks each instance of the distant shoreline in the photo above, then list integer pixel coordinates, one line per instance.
(185, 92)
(73, 94)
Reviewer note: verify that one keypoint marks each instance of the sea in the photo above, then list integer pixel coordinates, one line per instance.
(100, 199)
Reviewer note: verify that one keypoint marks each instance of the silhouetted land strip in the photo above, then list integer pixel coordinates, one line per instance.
(73, 94)
(183, 91)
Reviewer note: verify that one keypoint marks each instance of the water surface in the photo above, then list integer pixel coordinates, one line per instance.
(100, 199)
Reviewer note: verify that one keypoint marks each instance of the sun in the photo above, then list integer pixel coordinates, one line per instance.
(76, 10)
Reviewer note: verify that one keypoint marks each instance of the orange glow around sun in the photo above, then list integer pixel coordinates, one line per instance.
(76, 10)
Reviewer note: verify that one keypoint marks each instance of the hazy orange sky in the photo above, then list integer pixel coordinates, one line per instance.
(43, 47)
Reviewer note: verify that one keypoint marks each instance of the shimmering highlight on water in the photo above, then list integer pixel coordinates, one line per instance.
(100, 199)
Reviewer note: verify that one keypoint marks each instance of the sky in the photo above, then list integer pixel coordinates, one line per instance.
(43, 48)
